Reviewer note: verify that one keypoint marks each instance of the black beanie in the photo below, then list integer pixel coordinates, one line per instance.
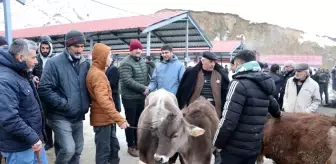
(74, 37)
(3, 41)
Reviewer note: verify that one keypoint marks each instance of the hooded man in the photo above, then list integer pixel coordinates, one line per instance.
(301, 92)
(44, 53)
(247, 104)
(103, 111)
(63, 92)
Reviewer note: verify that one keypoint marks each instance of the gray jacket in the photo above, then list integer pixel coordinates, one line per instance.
(63, 89)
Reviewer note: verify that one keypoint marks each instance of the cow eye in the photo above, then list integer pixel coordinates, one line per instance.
(174, 136)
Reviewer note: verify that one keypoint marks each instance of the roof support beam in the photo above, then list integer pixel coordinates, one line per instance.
(117, 36)
(165, 22)
(192, 21)
(160, 38)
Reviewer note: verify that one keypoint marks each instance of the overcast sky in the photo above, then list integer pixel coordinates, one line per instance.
(313, 16)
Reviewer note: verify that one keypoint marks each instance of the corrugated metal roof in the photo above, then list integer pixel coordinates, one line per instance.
(96, 25)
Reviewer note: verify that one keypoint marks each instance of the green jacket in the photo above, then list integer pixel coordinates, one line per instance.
(133, 77)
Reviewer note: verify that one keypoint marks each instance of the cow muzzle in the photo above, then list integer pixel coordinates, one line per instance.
(161, 159)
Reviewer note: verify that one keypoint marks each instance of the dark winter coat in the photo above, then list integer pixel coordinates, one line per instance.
(112, 74)
(189, 80)
(278, 80)
(63, 89)
(21, 121)
(133, 77)
(247, 105)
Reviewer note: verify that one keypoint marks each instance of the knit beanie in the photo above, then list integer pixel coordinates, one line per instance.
(135, 44)
(3, 41)
(74, 37)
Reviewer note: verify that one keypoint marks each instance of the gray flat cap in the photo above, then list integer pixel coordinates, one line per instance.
(301, 67)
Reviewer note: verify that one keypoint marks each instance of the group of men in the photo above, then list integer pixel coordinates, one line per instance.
(41, 92)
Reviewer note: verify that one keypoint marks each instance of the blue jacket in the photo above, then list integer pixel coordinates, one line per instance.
(167, 75)
(62, 88)
(20, 112)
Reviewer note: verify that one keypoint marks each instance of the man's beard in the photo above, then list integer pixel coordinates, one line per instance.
(45, 54)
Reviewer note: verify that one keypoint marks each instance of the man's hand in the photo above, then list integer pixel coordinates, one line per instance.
(36, 79)
(37, 146)
(124, 125)
(146, 91)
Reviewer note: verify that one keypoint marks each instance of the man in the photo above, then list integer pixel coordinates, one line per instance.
(333, 77)
(21, 122)
(44, 51)
(323, 79)
(289, 72)
(206, 79)
(133, 80)
(226, 69)
(302, 92)
(247, 103)
(113, 76)
(278, 79)
(3, 43)
(169, 73)
(103, 111)
(64, 93)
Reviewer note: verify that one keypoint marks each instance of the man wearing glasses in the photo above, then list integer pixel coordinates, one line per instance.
(169, 73)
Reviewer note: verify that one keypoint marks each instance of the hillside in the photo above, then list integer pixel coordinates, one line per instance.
(265, 38)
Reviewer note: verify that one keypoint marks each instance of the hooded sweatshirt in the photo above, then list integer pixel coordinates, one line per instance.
(248, 102)
(103, 110)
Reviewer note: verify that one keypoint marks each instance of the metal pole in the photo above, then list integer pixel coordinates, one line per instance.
(8, 21)
(187, 43)
(91, 44)
(148, 47)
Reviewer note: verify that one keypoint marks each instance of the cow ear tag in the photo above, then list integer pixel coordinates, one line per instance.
(196, 131)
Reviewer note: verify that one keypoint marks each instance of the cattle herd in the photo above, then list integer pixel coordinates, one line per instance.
(164, 130)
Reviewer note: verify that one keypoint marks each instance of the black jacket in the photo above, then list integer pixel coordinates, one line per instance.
(278, 80)
(62, 88)
(248, 102)
(188, 83)
(112, 74)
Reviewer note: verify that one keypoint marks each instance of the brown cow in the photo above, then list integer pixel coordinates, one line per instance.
(163, 130)
(300, 138)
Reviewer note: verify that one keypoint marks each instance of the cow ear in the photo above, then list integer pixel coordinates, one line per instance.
(195, 131)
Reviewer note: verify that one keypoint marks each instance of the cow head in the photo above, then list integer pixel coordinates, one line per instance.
(173, 133)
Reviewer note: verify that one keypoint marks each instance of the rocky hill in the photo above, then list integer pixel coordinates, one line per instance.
(265, 38)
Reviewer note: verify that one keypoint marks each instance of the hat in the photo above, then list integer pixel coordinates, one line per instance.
(135, 44)
(209, 55)
(74, 37)
(3, 41)
(302, 67)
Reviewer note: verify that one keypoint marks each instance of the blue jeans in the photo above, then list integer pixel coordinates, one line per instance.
(69, 141)
(25, 157)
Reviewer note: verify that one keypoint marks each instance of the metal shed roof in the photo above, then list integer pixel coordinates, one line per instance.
(165, 27)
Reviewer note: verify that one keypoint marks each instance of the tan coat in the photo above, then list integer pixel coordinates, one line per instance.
(103, 110)
(216, 89)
